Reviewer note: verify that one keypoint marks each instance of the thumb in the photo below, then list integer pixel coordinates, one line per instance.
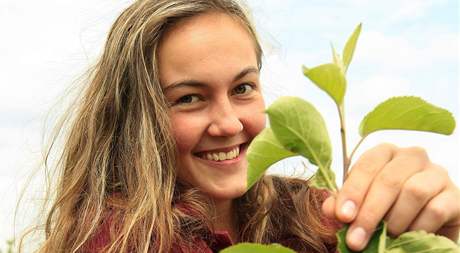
(328, 207)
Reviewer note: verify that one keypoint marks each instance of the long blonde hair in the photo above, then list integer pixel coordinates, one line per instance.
(117, 162)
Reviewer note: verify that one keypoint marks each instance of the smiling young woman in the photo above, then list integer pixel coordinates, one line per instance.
(155, 156)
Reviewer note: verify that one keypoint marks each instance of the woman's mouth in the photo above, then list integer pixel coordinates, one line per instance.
(222, 156)
(228, 154)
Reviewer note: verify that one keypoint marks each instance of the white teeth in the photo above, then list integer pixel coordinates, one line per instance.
(221, 156)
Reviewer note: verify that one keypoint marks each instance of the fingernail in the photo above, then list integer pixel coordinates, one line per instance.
(358, 238)
(348, 209)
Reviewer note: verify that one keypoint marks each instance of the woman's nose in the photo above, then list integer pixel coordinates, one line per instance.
(225, 121)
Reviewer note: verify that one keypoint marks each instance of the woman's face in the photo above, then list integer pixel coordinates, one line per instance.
(209, 74)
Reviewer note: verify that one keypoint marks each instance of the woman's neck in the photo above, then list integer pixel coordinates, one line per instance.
(225, 219)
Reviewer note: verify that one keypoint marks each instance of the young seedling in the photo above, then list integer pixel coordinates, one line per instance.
(297, 128)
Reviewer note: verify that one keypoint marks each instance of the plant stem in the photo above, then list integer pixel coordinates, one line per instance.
(346, 160)
(354, 150)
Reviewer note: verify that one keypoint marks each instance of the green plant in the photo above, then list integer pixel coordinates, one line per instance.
(297, 128)
(9, 246)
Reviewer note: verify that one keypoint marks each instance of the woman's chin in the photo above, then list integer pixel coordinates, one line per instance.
(227, 194)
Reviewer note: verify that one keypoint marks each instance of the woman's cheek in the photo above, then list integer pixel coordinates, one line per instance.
(183, 131)
(254, 118)
(259, 125)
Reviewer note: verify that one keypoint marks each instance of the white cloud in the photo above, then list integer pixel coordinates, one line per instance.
(402, 53)
(409, 9)
(376, 89)
(394, 10)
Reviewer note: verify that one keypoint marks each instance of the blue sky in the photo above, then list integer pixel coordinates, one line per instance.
(407, 47)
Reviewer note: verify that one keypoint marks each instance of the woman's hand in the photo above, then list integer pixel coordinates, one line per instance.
(401, 186)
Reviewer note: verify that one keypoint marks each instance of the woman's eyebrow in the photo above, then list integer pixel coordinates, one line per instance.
(199, 84)
(244, 72)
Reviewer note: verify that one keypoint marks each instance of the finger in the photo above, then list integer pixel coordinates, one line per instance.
(451, 231)
(328, 207)
(441, 211)
(382, 194)
(359, 179)
(415, 194)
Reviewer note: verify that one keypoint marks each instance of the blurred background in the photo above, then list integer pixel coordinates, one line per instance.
(407, 47)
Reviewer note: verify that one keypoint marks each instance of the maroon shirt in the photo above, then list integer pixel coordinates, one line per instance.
(221, 240)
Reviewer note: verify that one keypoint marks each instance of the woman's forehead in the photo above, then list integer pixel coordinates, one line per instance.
(211, 46)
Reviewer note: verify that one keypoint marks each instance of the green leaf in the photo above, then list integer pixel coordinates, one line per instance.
(301, 129)
(336, 59)
(409, 242)
(341, 240)
(330, 78)
(407, 113)
(264, 151)
(378, 240)
(420, 241)
(350, 46)
(257, 248)
(376, 244)
(321, 179)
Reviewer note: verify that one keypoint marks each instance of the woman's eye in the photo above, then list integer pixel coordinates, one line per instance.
(243, 89)
(187, 99)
